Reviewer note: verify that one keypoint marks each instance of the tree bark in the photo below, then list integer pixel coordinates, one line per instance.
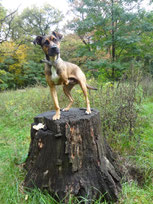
(113, 39)
(70, 157)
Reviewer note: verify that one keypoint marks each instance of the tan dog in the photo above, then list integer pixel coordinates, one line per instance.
(59, 72)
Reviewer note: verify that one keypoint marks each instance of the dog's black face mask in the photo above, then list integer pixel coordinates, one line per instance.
(53, 50)
(49, 44)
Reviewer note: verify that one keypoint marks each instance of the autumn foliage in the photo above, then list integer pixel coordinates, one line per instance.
(105, 38)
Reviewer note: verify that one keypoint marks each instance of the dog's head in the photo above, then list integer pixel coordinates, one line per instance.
(50, 44)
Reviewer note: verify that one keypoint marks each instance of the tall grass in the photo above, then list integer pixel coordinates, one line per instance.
(126, 124)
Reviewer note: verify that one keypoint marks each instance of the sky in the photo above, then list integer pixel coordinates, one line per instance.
(13, 4)
(60, 4)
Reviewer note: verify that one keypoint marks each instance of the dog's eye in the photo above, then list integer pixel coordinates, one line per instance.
(46, 42)
(54, 40)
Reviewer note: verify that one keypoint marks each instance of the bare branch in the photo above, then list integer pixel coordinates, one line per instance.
(10, 14)
(6, 22)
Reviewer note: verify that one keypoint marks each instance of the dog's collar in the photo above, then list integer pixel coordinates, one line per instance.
(57, 58)
(47, 58)
(53, 59)
(51, 62)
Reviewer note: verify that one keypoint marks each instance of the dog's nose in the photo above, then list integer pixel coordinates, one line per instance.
(53, 50)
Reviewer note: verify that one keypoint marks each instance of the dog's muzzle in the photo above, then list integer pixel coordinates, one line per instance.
(53, 51)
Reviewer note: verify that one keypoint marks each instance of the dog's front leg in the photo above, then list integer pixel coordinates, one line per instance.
(55, 99)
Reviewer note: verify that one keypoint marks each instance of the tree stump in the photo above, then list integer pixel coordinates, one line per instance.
(70, 157)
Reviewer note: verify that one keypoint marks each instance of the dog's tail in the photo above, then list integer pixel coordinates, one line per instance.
(91, 87)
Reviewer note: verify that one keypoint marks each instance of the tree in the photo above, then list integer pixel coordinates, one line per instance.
(11, 64)
(112, 28)
(6, 20)
(145, 46)
(70, 48)
(19, 68)
(36, 21)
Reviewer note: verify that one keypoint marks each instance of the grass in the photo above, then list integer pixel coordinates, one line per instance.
(141, 154)
(146, 133)
(17, 110)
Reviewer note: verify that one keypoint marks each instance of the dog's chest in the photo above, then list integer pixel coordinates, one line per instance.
(54, 77)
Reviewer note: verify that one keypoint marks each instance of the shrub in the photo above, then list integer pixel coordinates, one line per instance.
(147, 85)
(118, 104)
(33, 73)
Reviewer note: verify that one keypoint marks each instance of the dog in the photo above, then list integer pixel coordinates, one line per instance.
(59, 72)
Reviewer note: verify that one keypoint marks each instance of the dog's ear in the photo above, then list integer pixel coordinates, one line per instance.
(57, 35)
(38, 40)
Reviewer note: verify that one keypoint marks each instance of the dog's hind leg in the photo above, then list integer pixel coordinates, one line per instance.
(84, 89)
(67, 89)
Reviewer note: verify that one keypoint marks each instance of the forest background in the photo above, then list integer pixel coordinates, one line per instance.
(103, 37)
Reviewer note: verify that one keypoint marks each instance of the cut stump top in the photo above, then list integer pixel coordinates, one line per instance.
(74, 114)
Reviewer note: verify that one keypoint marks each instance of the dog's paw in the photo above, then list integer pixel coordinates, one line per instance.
(65, 109)
(88, 112)
(56, 117)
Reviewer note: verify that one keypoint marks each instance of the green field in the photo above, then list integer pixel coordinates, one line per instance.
(17, 110)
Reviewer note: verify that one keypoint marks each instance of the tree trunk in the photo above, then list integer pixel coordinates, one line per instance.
(113, 39)
(70, 157)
